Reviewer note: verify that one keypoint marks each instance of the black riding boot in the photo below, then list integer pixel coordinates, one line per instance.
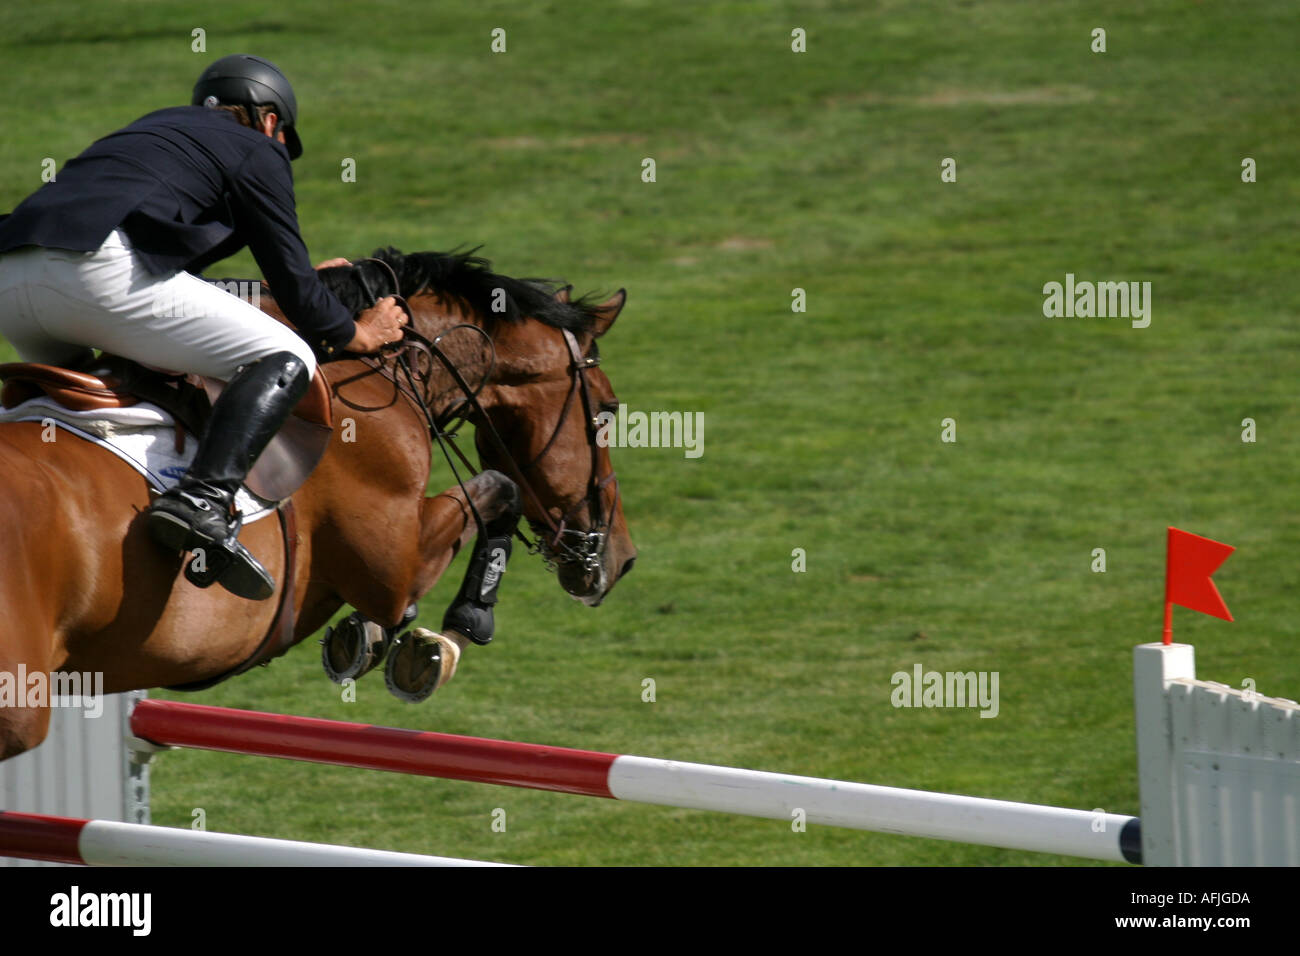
(199, 513)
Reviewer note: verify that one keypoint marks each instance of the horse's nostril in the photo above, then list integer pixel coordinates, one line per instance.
(627, 566)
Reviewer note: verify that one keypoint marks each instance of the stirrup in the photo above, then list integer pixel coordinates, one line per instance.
(233, 566)
(217, 559)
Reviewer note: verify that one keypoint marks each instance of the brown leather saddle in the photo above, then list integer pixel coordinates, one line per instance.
(114, 382)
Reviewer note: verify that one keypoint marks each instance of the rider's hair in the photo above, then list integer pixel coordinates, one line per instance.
(241, 113)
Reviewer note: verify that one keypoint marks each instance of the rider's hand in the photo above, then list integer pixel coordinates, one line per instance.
(331, 263)
(379, 325)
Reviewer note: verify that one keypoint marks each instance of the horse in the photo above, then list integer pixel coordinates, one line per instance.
(86, 591)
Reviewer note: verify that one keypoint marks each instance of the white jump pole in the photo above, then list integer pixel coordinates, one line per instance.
(109, 843)
(864, 806)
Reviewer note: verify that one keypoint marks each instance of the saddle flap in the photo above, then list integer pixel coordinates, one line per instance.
(289, 459)
(316, 406)
(296, 448)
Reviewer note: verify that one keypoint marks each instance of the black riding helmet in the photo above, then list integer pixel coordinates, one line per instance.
(250, 81)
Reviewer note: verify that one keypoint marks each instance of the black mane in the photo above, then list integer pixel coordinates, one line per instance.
(464, 278)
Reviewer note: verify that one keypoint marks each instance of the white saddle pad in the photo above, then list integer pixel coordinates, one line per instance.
(143, 436)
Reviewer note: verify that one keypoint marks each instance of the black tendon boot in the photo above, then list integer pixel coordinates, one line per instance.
(199, 513)
(471, 612)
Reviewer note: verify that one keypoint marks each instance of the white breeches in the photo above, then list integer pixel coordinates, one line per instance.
(54, 304)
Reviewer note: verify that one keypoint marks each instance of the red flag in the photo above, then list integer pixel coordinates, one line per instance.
(1189, 562)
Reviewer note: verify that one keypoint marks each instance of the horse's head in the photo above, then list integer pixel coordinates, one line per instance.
(543, 401)
(543, 391)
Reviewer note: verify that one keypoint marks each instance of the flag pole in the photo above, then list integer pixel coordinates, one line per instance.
(1169, 604)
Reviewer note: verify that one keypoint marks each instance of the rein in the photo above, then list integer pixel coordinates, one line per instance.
(418, 350)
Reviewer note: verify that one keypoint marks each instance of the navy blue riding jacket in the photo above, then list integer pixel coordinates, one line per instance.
(189, 186)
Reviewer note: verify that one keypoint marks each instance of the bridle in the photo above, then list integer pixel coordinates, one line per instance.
(415, 357)
(572, 544)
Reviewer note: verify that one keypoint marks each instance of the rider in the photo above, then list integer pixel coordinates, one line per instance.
(106, 255)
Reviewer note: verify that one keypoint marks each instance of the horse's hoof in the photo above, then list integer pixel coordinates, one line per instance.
(353, 648)
(420, 662)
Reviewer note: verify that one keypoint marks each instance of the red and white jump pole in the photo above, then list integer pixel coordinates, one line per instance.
(32, 836)
(692, 786)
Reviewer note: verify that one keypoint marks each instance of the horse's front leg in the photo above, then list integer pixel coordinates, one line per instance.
(447, 524)
(422, 660)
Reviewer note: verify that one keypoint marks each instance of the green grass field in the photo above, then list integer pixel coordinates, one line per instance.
(818, 171)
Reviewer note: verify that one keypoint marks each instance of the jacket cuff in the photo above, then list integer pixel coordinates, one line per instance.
(329, 348)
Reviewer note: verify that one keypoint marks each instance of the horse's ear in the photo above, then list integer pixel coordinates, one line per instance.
(608, 311)
(562, 295)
